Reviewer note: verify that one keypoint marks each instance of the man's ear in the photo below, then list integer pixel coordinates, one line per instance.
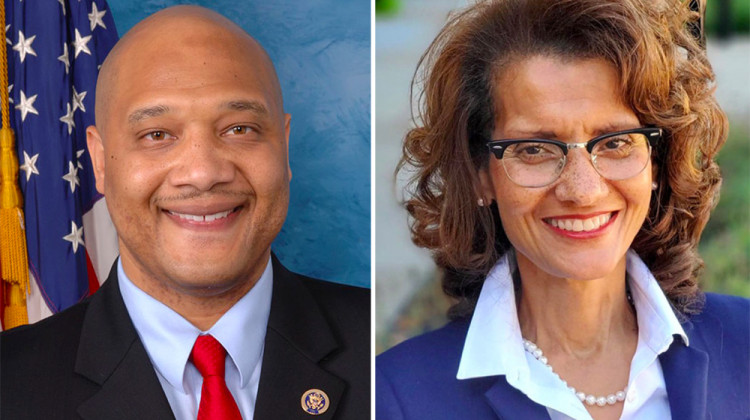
(96, 152)
(486, 189)
(287, 124)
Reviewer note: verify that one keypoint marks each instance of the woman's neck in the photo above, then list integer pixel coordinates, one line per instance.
(580, 318)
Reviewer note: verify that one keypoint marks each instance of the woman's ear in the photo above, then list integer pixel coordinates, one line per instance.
(485, 189)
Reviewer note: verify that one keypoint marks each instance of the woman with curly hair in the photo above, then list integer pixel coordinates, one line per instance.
(563, 171)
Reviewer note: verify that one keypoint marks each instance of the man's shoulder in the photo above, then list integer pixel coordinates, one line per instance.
(337, 294)
(342, 305)
(38, 366)
(33, 340)
(345, 307)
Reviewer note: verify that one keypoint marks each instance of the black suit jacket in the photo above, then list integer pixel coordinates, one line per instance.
(88, 361)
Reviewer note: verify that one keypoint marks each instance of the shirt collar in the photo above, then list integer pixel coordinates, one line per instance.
(169, 338)
(494, 345)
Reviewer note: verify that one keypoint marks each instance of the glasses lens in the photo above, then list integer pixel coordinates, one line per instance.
(621, 156)
(533, 164)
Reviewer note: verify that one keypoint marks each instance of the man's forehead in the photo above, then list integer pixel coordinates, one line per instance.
(159, 50)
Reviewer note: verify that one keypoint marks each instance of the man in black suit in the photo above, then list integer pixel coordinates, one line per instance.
(190, 149)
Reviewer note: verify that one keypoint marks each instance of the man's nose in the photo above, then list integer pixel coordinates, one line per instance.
(202, 161)
(579, 181)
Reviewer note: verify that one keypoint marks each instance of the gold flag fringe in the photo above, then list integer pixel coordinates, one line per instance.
(14, 265)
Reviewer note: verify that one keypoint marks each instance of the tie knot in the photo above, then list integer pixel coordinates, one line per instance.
(208, 356)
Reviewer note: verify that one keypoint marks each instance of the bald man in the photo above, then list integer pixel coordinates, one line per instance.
(197, 316)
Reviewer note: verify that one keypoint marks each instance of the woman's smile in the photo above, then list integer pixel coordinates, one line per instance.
(581, 226)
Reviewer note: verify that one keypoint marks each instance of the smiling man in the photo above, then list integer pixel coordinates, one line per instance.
(197, 318)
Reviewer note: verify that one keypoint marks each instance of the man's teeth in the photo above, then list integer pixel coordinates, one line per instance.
(202, 218)
(581, 225)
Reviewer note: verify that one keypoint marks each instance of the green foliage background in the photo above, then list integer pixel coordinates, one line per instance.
(725, 245)
(739, 16)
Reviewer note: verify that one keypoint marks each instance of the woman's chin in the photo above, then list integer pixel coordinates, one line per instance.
(586, 265)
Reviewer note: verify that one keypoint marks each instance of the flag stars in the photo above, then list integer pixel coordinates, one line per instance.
(80, 44)
(72, 176)
(29, 165)
(95, 17)
(78, 158)
(65, 58)
(7, 40)
(24, 46)
(26, 106)
(78, 100)
(10, 89)
(62, 3)
(75, 237)
(68, 119)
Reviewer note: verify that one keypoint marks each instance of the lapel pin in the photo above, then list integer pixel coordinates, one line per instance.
(315, 402)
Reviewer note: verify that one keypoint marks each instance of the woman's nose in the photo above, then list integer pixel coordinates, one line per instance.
(579, 181)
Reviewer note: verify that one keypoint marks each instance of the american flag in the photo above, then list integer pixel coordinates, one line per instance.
(55, 49)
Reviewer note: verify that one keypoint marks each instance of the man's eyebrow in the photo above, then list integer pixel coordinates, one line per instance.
(246, 105)
(141, 114)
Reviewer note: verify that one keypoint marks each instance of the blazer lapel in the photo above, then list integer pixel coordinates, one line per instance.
(510, 403)
(297, 340)
(686, 376)
(111, 355)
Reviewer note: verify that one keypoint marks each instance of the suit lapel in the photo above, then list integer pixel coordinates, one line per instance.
(686, 377)
(510, 403)
(111, 355)
(297, 340)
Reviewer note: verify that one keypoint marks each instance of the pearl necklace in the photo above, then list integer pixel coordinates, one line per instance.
(589, 399)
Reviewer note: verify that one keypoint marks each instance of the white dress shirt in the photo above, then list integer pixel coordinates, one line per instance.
(169, 338)
(494, 346)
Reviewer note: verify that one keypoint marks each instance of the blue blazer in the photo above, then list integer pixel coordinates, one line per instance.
(710, 379)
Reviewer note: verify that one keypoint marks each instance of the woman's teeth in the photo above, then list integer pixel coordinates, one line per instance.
(581, 225)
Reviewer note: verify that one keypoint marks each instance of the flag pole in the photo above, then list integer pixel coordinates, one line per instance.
(14, 267)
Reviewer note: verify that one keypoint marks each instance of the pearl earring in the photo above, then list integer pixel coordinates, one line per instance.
(480, 202)
(654, 185)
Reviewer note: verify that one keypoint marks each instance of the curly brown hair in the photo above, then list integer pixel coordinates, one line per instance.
(665, 78)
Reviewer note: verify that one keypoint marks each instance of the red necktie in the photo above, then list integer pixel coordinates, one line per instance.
(217, 402)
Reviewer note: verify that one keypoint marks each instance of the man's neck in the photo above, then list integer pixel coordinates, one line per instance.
(201, 306)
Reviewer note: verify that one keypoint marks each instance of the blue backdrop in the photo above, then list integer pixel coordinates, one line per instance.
(321, 50)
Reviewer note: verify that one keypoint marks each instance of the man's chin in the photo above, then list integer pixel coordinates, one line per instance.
(203, 283)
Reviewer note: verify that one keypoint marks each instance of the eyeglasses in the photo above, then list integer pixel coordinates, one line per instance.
(539, 162)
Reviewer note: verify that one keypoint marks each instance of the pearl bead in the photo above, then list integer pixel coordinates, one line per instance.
(590, 400)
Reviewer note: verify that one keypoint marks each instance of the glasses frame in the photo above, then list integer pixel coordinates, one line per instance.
(498, 147)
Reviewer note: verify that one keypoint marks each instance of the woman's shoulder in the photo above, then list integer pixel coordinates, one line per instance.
(417, 379)
(444, 344)
(722, 326)
(730, 311)
(424, 360)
